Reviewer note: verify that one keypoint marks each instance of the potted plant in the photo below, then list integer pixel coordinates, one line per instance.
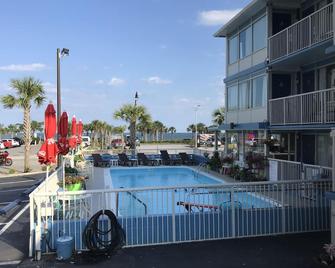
(73, 183)
(327, 258)
(228, 160)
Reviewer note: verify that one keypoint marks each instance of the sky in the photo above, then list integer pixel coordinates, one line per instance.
(163, 49)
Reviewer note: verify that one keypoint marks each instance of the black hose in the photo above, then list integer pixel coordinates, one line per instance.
(103, 241)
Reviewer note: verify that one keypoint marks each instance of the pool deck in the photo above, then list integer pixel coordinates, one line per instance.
(300, 250)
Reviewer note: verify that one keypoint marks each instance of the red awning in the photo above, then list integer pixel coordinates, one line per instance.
(79, 131)
(48, 152)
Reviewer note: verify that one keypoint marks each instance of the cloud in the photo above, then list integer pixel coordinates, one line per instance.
(49, 87)
(156, 80)
(24, 67)
(115, 81)
(99, 82)
(216, 17)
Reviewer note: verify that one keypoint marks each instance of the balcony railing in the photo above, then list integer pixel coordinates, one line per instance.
(317, 107)
(307, 32)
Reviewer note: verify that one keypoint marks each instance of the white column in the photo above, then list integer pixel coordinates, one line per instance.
(332, 134)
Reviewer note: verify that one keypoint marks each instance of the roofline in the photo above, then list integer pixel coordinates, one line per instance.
(219, 32)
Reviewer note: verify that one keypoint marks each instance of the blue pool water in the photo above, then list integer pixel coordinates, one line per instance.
(165, 201)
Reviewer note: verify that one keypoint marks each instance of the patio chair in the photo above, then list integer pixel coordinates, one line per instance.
(186, 160)
(167, 160)
(98, 161)
(144, 160)
(125, 161)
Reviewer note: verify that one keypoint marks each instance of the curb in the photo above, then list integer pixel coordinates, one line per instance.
(2, 176)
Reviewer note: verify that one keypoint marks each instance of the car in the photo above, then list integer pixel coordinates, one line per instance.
(117, 143)
(20, 141)
(85, 141)
(2, 146)
(211, 142)
(9, 143)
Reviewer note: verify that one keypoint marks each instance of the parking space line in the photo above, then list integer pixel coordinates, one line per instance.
(9, 224)
(13, 190)
(10, 262)
(15, 182)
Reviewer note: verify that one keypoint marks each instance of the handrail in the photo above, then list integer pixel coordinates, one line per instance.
(140, 201)
(303, 94)
(299, 21)
(207, 186)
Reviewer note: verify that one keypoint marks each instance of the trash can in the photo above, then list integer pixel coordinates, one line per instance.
(65, 247)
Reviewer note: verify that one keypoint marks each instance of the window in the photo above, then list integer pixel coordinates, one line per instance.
(244, 102)
(259, 34)
(233, 49)
(245, 42)
(232, 98)
(258, 91)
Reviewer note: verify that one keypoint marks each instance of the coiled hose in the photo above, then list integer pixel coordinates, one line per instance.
(102, 237)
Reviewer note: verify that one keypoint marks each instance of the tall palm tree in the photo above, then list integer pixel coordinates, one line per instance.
(28, 91)
(218, 116)
(158, 128)
(191, 128)
(120, 130)
(172, 130)
(132, 114)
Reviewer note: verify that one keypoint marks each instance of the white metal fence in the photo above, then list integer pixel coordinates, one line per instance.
(309, 108)
(305, 33)
(283, 170)
(187, 213)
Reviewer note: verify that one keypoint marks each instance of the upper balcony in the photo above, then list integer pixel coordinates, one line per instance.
(317, 107)
(308, 32)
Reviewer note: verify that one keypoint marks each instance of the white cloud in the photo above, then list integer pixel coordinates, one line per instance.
(156, 80)
(49, 87)
(216, 17)
(115, 81)
(23, 67)
(100, 82)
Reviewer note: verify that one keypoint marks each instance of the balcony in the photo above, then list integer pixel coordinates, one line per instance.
(311, 30)
(317, 107)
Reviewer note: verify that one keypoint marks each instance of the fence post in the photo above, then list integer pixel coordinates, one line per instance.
(283, 217)
(32, 223)
(173, 216)
(233, 221)
(117, 204)
(38, 231)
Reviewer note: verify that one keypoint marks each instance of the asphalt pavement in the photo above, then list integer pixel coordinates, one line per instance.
(14, 225)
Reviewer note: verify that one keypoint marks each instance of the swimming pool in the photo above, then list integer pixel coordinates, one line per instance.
(194, 191)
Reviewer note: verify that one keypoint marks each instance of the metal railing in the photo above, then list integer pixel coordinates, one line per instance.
(185, 213)
(317, 107)
(305, 33)
(283, 170)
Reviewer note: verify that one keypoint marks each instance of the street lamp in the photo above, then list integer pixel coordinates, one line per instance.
(196, 124)
(60, 54)
(136, 98)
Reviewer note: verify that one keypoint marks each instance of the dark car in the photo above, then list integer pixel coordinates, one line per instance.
(20, 141)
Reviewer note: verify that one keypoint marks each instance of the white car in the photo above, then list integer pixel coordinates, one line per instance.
(85, 141)
(211, 142)
(2, 146)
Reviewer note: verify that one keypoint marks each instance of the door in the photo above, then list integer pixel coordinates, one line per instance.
(281, 85)
(280, 21)
(308, 82)
(308, 149)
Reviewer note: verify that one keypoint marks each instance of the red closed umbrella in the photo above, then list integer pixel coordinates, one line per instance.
(63, 125)
(79, 131)
(73, 139)
(48, 151)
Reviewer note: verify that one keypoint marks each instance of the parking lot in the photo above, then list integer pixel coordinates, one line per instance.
(14, 225)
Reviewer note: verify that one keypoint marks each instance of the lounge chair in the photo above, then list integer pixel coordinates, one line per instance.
(125, 161)
(186, 160)
(144, 160)
(167, 160)
(98, 161)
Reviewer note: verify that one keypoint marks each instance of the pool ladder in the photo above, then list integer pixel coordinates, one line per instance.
(199, 168)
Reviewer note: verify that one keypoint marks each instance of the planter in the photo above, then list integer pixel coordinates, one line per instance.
(74, 187)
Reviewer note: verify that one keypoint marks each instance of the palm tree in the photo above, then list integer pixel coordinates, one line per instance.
(191, 128)
(12, 129)
(172, 130)
(218, 116)
(158, 128)
(144, 127)
(132, 114)
(120, 130)
(28, 91)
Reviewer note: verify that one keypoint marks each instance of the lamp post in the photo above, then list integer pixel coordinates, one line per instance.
(196, 125)
(60, 54)
(133, 138)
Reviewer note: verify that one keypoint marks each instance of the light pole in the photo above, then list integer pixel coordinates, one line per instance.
(60, 54)
(133, 138)
(196, 124)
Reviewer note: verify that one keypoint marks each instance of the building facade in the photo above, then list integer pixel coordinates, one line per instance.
(280, 80)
